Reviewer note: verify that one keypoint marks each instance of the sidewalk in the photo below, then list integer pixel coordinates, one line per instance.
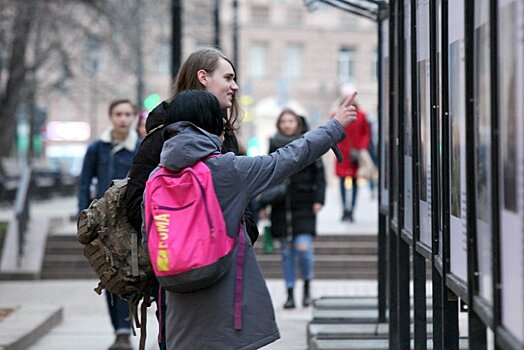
(85, 321)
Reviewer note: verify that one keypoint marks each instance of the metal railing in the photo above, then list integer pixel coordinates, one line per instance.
(22, 208)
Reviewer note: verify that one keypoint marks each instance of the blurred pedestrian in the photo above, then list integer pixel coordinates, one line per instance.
(293, 219)
(109, 158)
(372, 152)
(232, 313)
(358, 137)
(205, 69)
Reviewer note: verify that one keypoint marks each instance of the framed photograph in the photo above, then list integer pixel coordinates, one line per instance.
(483, 163)
(384, 176)
(408, 124)
(457, 144)
(424, 103)
(511, 162)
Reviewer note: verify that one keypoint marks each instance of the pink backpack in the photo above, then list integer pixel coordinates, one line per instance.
(186, 234)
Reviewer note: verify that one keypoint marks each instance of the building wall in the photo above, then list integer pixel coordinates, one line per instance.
(321, 35)
(313, 91)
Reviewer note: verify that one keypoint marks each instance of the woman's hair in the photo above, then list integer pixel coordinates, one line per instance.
(300, 123)
(199, 107)
(187, 79)
(115, 103)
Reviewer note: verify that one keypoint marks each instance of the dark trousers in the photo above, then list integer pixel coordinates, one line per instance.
(354, 192)
(119, 312)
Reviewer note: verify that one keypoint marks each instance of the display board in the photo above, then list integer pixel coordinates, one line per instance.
(511, 162)
(483, 164)
(424, 103)
(408, 124)
(457, 136)
(384, 147)
(394, 125)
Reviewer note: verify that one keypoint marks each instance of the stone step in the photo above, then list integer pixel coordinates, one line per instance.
(336, 257)
(326, 259)
(354, 331)
(321, 248)
(353, 316)
(71, 274)
(329, 274)
(319, 238)
(333, 248)
(337, 303)
(365, 344)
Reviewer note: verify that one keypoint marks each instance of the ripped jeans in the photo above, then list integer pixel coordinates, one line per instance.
(300, 247)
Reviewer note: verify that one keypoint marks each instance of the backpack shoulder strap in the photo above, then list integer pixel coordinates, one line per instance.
(152, 131)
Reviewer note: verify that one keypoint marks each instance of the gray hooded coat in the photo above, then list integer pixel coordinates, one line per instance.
(205, 319)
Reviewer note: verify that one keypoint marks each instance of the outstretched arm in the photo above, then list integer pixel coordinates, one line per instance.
(260, 172)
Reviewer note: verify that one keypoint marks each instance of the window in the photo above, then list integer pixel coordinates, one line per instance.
(92, 57)
(346, 65)
(294, 61)
(162, 58)
(349, 21)
(260, 14)
(257, 60)
(295, 16)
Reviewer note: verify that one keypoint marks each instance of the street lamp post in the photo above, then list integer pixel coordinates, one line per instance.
(176, 40)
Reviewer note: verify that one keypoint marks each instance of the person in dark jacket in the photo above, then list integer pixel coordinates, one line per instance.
(293, 220)
(209, 318)
(109, 158)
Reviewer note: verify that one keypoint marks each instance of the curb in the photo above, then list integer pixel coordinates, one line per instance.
(27, 325)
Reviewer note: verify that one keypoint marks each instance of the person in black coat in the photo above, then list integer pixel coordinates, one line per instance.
(293, 218)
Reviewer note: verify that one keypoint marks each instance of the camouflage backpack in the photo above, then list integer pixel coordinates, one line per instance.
(115, 251)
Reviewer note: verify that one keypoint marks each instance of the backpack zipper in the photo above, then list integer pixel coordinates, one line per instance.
(174, 208)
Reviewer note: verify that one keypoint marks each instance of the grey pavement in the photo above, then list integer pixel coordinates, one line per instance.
(85, 321)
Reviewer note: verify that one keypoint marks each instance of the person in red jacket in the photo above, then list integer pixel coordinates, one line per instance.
(358, 137)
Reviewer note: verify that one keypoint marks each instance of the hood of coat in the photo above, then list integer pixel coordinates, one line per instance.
(158, 116)
(186, 145)
(280, 140)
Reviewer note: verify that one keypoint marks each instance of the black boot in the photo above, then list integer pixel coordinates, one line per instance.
(307, 297)
(290, 302)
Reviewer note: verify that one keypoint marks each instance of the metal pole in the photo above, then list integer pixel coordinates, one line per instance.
(216, 17)
(404, 306)
(475, 325)
(419, 261)
(176, 40)
(393, 233)
(139, 61)
(235, 36)
(382, 236)
(495, 213)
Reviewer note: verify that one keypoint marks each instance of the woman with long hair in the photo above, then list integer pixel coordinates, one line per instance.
(205, 69)
(293, 219)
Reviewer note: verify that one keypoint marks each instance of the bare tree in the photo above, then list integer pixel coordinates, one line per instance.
(16, 74)
(40, 50)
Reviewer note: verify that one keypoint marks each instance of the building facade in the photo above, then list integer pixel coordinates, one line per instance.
(288, 56)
